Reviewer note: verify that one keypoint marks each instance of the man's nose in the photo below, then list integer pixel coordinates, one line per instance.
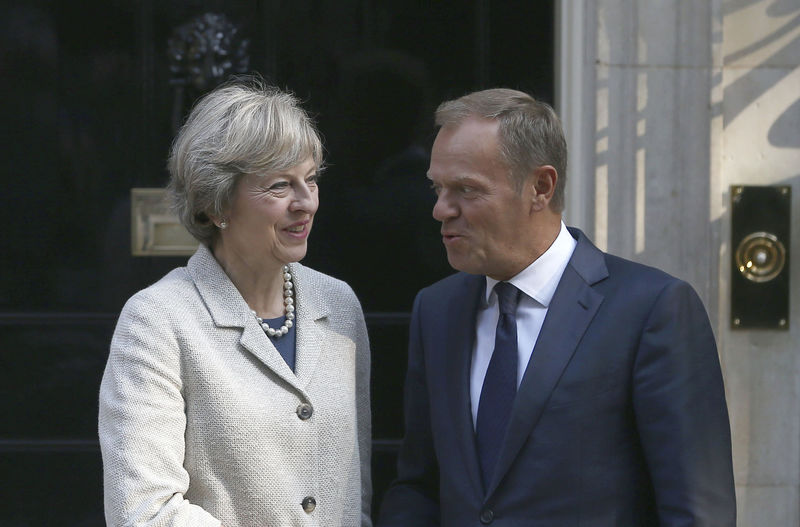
(444, 208)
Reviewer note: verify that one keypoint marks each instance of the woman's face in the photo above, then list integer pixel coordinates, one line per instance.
(271, 215)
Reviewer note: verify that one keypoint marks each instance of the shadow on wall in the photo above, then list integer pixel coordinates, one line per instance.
(785, 131)
(641, 208)
(741, 93)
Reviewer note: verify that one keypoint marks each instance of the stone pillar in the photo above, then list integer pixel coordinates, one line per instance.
(666, 104)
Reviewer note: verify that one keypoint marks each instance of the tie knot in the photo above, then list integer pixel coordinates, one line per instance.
(507, 297)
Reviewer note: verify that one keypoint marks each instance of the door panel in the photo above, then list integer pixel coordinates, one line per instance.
(92, 95)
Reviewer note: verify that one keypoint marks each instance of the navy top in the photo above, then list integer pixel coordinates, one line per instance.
(286, 344)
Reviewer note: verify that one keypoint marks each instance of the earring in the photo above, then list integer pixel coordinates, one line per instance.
(223, 225)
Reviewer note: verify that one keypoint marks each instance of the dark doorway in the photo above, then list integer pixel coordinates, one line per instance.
(91, 94)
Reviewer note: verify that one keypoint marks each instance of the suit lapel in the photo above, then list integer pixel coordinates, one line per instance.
(228, 309)
(571, 310)
(459, 340)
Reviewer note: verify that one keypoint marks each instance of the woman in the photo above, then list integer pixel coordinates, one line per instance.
(237, 388)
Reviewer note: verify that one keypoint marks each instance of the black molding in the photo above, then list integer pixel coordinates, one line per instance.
(63, 318)
(55, 318)
(48, 445)
(93, 445)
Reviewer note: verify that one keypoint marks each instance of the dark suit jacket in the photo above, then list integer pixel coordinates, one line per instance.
(620, 418)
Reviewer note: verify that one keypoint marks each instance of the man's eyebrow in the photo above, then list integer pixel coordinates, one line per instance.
(458, 178)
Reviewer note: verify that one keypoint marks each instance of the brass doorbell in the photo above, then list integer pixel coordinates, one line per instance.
(760, 220)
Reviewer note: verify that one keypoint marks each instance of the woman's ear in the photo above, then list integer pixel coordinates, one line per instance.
(543, 183)
(219, 221)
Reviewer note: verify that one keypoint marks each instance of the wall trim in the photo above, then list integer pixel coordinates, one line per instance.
(574, 94)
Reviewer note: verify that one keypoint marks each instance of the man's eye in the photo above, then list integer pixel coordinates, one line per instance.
(436, 188)
(313, 179)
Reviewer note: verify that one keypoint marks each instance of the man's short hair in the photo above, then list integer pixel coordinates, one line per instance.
(530, 132)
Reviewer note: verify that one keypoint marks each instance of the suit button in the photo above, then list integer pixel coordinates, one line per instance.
(304, 411)
(487, 516)
(309, 504)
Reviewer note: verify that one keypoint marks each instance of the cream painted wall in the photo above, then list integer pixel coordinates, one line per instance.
(666, 104)
(759, 144)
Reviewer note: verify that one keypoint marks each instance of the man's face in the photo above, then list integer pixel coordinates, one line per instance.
(482, 214)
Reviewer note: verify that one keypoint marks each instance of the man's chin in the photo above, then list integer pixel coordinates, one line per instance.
(459, 263)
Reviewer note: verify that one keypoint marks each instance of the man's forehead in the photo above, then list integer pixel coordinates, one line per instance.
(452, 177)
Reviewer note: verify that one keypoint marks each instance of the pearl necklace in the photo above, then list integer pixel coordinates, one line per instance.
(288, 303)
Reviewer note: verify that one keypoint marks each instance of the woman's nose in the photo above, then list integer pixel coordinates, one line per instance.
(305, 199)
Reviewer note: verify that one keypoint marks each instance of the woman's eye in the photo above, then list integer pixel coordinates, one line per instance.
(278, 186)
(313, 179)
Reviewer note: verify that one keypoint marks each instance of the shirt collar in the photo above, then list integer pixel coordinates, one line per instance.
(540, 279)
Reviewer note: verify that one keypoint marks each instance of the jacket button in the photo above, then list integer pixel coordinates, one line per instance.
(304, 411)
(309, 504)
(487, 516)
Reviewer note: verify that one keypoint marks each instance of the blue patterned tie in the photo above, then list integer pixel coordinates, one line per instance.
(500, 383)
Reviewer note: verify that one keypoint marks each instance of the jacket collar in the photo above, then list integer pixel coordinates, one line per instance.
(229, 310)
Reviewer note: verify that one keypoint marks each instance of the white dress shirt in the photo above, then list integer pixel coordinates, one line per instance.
(538, 284)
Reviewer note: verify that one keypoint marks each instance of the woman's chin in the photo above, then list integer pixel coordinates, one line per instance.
(293, 255)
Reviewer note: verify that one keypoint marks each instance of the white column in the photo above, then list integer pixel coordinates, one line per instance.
(574, 83)
(665, 104)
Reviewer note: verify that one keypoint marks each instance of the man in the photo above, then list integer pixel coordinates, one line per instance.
(584, 389)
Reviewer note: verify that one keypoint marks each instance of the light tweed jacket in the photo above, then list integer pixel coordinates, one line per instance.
(199, 422)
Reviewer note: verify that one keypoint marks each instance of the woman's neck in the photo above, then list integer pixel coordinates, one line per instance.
(259, 282)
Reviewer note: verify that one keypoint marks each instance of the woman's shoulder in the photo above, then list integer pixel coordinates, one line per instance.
(324, 290)
(175, 288)
(318, 280)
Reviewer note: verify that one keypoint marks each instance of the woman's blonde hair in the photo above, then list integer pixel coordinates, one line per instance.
(242, 127)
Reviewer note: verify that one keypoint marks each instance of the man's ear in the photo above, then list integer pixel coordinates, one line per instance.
(543, 185)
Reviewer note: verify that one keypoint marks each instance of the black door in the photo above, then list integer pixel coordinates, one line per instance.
(91, 94)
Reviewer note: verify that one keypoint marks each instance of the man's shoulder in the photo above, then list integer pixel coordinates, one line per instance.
(630, 270)
(448, 294)
(453, 284)
(588, 259)
(631, 281)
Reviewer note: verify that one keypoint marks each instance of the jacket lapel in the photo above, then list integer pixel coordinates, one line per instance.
(256, 342)
(228, 309)
(310, 324)
(571, 310)
(459, 340)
